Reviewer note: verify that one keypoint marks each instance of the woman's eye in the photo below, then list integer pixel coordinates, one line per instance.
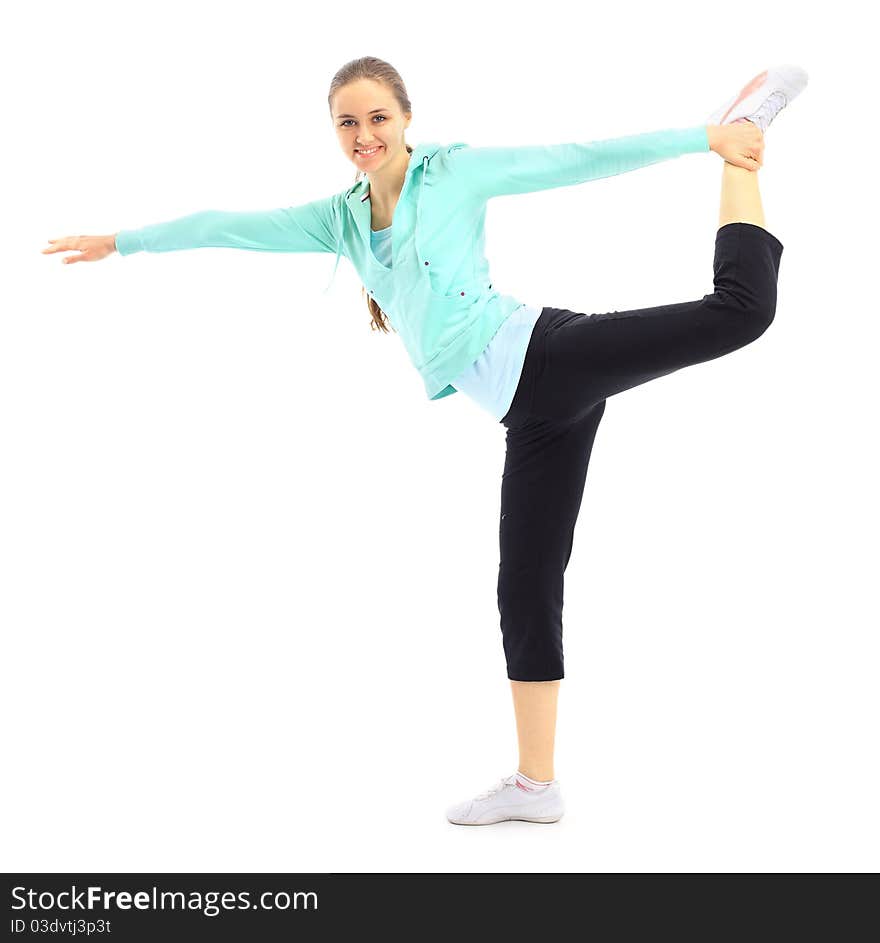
(344, 123)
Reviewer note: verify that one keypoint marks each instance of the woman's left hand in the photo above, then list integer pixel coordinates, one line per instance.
(740, 143)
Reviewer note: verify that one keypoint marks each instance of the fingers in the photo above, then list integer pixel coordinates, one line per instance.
(758, 148)
(757, 157)
(746, 161)
(751, 143)
(744, 145)
(67, 244)
(754, 150)
(61, 245)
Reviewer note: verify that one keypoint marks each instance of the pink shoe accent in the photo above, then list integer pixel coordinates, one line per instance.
(522, 785)
(751, 87)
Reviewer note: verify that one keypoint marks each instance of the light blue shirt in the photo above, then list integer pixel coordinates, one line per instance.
(491, 380)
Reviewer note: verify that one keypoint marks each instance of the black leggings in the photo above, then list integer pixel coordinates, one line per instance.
(573, 362)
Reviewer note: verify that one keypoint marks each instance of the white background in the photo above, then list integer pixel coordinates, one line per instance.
(249, 570)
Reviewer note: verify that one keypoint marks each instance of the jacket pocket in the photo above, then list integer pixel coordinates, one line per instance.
(450, 316)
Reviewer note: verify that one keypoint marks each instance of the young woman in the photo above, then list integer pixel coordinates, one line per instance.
(413, 227)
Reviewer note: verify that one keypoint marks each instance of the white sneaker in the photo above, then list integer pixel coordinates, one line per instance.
(764, 97)
(512, 798)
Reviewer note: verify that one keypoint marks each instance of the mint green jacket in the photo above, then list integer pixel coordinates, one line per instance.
(438, 295)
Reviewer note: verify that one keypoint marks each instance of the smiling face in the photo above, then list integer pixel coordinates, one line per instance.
(370, 125)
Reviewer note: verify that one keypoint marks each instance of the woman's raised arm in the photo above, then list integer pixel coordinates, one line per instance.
(498, 171)
(309, 227)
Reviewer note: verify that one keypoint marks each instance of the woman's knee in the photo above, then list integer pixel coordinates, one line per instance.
(761, 316)
(745, 316)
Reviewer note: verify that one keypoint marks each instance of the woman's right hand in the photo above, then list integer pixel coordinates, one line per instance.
(740, 143)
(90, 248)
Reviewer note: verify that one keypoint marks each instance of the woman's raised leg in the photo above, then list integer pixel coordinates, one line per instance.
(740, 197)
(586, 358)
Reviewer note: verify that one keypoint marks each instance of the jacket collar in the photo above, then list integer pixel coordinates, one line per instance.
(354, 199)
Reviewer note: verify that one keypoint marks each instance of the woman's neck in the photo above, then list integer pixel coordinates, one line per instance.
(386, 184)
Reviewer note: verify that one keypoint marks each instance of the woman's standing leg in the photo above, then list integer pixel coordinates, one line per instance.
(542, 485)
(542, 488)
(534, 703)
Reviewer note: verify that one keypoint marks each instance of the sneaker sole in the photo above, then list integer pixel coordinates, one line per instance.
(544, 820)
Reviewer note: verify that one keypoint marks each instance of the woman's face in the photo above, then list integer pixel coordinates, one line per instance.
(369, 124)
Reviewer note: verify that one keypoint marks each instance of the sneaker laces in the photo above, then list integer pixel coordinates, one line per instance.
(769, 109)
(494, 790)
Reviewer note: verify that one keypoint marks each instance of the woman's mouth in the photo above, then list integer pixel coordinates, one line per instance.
(366, 152)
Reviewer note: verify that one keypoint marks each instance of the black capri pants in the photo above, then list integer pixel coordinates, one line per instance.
(573, 363)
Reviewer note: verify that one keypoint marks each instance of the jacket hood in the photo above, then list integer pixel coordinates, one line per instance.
(418, 161)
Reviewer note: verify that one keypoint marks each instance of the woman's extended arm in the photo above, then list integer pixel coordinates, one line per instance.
(305, 228)
(498, 171)
(309, 227)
